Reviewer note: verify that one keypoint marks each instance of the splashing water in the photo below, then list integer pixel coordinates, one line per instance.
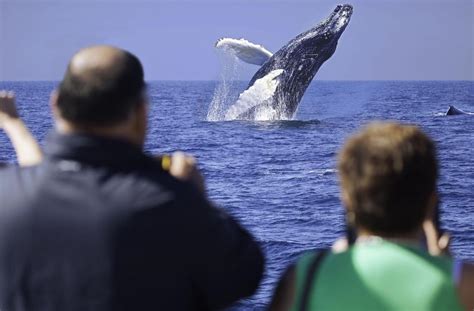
(255, 103)
(257, 97)
(225, 93)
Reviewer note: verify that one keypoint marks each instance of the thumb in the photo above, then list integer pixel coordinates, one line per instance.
(444, 242)
(436, 245)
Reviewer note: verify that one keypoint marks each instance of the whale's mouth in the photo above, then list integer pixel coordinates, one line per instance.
(330, 29)
(339, 19)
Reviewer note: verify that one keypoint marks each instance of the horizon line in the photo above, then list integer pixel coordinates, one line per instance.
(322, 80)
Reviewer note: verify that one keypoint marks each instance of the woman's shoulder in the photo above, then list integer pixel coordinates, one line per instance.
(466, 286)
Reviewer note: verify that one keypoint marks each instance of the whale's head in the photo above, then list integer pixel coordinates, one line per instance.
(321, 40)
(302, 57)
(338, 20)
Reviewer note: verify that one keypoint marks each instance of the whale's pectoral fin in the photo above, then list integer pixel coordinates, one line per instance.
(260, 93)
(245, 50)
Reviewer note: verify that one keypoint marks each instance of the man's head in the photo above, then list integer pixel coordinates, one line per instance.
(388, 176)
(103, 92)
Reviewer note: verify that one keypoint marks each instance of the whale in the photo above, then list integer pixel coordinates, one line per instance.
(277, 87)
(452, 111)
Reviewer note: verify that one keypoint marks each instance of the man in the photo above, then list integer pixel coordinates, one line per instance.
(98, 225)
(388, 179)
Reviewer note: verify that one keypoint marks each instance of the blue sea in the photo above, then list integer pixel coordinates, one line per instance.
(279, 178)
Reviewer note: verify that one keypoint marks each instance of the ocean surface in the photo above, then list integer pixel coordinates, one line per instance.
(279, 178)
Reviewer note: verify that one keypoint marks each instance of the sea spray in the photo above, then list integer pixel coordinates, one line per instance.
(257, 97)
(225, 93)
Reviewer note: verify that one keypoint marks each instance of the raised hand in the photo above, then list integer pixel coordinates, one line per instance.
(8, 110)
(183, 167)
(27, 149)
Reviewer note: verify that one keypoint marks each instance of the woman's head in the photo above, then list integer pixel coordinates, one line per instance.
(388, 175)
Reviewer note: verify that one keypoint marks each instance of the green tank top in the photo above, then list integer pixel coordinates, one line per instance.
(379, 275)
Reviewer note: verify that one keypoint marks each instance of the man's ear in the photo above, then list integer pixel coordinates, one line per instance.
(139, 121)
(59, 122)
(140, 113)
(53, 103)
(143, 108)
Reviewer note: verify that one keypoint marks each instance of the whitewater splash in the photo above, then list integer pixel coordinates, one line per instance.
(225, 93)
(257, 97)
(225, 105)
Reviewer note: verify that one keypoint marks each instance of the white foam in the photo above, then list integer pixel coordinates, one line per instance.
(260, 93)
(245, 50)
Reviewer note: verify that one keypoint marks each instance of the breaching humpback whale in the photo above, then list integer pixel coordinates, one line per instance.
(455, 111)
(278, 86)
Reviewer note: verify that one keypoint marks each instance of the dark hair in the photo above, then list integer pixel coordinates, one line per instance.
(388, 173)
(102, 97)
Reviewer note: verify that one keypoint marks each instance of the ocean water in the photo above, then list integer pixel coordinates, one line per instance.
(278, 177)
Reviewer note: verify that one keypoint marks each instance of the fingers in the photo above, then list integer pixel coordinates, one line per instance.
(436, 245)
(180, 165)
(7, 105)
(444, 243)
(7, 95)
(183, 166)
(431, 237)
(340, 245)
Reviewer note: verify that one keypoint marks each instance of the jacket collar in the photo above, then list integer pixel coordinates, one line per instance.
(95, 150)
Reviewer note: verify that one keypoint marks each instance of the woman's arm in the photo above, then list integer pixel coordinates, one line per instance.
(466, 286)
(284, 295)
(27, 149)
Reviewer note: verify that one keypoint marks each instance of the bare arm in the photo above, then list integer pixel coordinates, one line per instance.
(27, 149)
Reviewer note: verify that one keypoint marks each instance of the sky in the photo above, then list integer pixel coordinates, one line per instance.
(385, 40)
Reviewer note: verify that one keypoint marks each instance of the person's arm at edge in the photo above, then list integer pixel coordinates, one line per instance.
(466, 286)
(438, 244)
(26, 147)
(284, 295)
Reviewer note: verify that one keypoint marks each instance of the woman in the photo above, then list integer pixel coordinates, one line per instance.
(388, 176)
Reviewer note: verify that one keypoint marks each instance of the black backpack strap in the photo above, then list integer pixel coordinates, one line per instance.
(310, 277)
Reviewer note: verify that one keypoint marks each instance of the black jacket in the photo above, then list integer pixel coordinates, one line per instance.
(100, 226)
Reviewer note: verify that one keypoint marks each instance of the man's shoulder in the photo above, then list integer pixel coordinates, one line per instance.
(4, 167)
(16, 185)
(6, 170)
(144, 185)
(10, 173)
